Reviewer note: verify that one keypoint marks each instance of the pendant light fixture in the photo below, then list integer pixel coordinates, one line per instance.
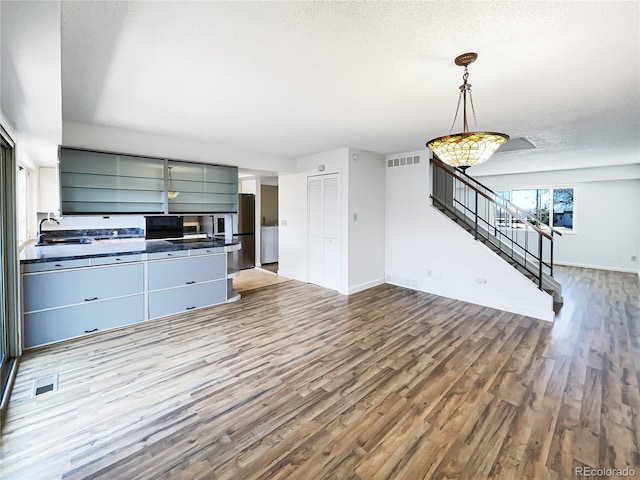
(465, 149)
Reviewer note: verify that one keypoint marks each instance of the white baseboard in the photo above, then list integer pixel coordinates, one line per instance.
(598, 267)
(365, 286)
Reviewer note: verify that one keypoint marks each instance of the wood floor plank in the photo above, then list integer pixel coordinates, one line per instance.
(296, 381)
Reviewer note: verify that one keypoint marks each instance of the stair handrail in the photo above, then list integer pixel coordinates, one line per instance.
(519, 211)
(438, 163)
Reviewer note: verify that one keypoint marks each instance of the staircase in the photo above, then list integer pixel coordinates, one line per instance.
(513, 234)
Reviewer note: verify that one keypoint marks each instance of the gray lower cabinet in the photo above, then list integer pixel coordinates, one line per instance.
(183, 299)
(183, 284)
(80, 299)
(63, 304)
(82, 285)
(186, 271)
(57, 324)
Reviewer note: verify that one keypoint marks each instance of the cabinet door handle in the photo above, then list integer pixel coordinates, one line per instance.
(57, 265)
(90, 299)
(91, 331)
(190, 308)
(169, 254)
(191, 282)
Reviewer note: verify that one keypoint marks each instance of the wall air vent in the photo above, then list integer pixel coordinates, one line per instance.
(402, 161)
(44, 385)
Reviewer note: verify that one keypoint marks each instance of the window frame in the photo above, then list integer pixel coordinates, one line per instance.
(23, 204)
(573, 230)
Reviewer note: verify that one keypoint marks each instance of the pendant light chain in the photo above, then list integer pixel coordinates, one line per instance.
(473, 110)
(456, 115)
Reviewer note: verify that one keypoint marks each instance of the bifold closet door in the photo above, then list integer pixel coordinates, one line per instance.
(324, 253)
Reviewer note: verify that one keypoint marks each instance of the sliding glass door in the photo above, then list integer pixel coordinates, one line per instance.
(8, 269)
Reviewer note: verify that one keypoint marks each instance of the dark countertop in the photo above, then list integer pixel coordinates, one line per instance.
(112, 248)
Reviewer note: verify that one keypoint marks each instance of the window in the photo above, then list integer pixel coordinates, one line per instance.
(551, 206)
(22, 197)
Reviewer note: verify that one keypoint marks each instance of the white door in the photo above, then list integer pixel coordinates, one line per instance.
(325, 265)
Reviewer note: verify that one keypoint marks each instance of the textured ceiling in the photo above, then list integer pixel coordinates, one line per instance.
(295, 78)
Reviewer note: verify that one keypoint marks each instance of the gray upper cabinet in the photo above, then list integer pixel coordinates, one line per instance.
(202, 188)
(99, 183)
(106, 183)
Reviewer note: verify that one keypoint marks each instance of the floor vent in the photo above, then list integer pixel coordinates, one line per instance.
(44, 385)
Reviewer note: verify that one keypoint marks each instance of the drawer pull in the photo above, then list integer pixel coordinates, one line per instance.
(90, 299)
(91, 331)
(191, 282)
(169, 254)
(190, 308)
(57, 265)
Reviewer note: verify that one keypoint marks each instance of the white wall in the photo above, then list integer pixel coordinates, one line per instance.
(292, 244)
(606, 231)
(30, 87)
(128, 141)
(366, 229)
(362, 194)
(427, 251)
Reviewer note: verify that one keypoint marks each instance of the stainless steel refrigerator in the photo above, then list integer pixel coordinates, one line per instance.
(244, 225)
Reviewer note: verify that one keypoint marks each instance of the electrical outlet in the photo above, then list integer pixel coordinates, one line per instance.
(355, 217)
(429, 273)
(634, 258)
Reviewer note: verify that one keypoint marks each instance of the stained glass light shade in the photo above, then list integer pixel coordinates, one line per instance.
(464, 150)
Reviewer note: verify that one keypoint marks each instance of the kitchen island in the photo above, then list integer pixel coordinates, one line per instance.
(72, 290)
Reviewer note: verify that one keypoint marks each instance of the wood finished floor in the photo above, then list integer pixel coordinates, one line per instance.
(255, 278)
(298, 382)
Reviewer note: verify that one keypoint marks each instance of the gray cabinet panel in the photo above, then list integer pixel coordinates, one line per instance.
(98, 163)
(186, 271)
(63, 323)
(99, 183)
(203, 188)
(170, 254)
(95, 182)
(181, 299)
(221, 174)
(48, 290)
(89, 180)
(50, 266)
(119, 259)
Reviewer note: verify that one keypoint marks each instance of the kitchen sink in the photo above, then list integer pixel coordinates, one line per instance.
(65, 241)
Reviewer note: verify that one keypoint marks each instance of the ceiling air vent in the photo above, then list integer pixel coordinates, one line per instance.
(514, 144)
(402, 161)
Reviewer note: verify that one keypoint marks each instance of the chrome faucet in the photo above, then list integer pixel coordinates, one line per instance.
(40, 234)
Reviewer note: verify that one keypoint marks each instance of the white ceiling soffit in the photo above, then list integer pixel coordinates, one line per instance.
(30, 84)
(296, 78)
